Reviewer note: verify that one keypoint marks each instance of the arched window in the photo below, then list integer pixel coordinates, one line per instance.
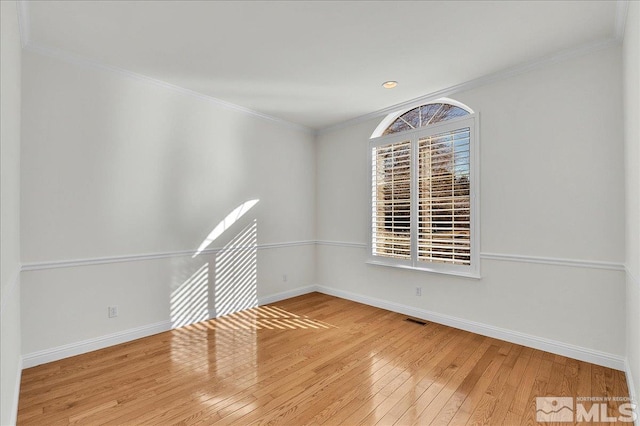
(423, 189)
(425, 115)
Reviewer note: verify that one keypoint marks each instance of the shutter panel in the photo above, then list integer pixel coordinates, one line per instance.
(444, 203)
(391, 195)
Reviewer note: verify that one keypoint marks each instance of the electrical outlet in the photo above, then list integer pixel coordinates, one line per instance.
(418, 291)
(113, 311)
(284, 277)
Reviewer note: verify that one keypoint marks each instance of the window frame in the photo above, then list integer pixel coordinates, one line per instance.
(414, 135)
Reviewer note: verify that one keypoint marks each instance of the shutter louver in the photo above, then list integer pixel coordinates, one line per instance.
(391, 196)
(444, 203)
(424, 184)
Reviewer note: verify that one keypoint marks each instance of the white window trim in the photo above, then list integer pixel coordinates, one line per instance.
(471, 271)
(389, 119)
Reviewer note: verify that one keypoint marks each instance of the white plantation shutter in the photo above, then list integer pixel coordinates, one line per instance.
(391, 195)
(423, 181)
(444, 203)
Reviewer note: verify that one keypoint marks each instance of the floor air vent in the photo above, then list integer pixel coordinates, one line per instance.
(416, 321)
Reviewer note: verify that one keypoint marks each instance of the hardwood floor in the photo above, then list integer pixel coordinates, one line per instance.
(313, 359)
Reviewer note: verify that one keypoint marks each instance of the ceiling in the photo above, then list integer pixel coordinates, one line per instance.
(317, 63)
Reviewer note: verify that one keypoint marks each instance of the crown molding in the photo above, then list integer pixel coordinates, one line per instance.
(622, 9)
(90, 63)
(24, 24)
(479, 82)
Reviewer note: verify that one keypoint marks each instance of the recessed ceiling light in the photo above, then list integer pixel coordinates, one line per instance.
(389, 84)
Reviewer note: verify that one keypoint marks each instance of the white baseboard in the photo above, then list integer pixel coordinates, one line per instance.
(548, 345)
(286, 294)
(553, 346)
(630, 383)
(16, 394)
(632, 390)
(89, 345)
(272, 298)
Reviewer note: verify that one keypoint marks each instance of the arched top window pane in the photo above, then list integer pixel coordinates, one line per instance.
(425, 115)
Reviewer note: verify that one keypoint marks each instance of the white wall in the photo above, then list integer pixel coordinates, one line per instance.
(552, 186)
(115, 166)
(121, 176)
(631, 61)
(10, 86)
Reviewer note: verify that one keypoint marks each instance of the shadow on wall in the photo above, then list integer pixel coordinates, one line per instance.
(218, 282)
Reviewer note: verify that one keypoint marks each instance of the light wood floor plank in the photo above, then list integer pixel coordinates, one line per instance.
(470, 399)
(433, 382)
(309, 360)
(482, 414)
